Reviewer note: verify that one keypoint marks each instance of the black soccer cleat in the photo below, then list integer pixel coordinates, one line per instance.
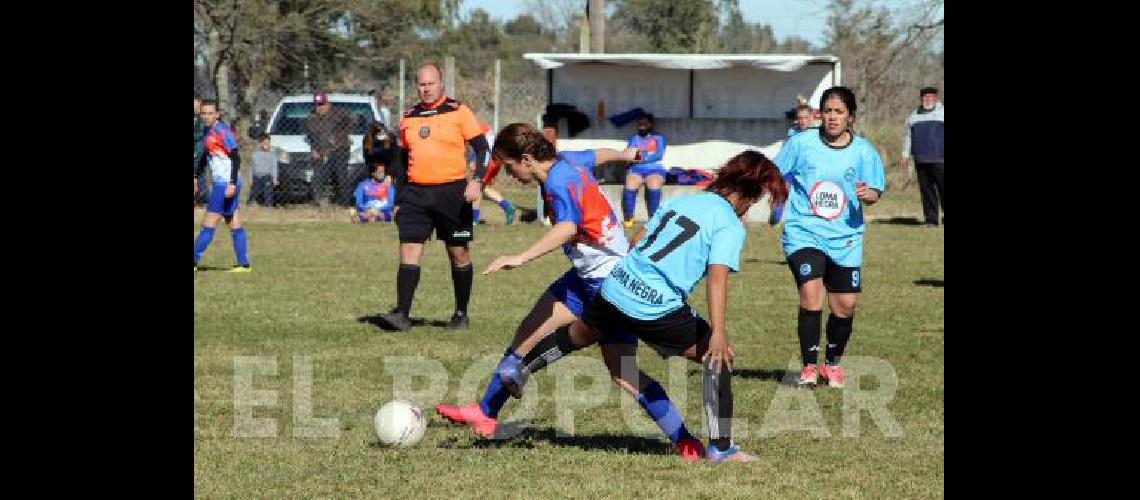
(458, 322)
(397, 320)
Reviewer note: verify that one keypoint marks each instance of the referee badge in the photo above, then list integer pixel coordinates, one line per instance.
(424, 131)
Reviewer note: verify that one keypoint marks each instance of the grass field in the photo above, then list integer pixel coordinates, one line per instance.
(315, 276)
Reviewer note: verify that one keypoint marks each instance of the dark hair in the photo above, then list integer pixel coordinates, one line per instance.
(197, 97)
(751, 174)
(843, 93)
(927, 90)
(650, 117)
(375, 165)
(210, 102)
(518, 139)
(370, 137)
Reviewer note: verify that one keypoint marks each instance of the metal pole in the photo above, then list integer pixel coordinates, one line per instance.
(400, 107)
(498, 103)
(449, 76)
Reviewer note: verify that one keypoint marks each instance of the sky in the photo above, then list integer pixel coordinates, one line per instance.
(803, 18)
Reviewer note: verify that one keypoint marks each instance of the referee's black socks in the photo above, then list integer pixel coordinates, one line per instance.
(808, 326)
(407, 278)
(461, 277)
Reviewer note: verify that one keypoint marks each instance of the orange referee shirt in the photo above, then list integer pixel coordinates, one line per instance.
(435, 136)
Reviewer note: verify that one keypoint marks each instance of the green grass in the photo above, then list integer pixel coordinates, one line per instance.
(314, 278)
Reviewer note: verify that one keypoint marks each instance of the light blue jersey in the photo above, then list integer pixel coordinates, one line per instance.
(823, 211)
(685, 236)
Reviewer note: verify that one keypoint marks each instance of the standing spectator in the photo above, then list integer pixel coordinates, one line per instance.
(260, 126)
(327, 131)
(264, 173)
(379, 147)
(438, 193)
(924, 138)
(651, 147)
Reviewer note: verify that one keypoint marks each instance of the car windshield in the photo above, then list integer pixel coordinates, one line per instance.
(291, 119)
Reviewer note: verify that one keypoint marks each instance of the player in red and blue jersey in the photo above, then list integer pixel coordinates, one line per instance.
(694, 237)
(590, 234)
(375, 196)
(651, 148)
(220, 154)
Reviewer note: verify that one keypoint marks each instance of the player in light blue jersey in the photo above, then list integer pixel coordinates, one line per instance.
(833, 174)
(690, 237)
(804, 119)
(589, 233)
(220, 155)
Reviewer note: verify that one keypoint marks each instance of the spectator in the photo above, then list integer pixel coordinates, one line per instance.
(379, 147)
(327, 130)
(437, 196)
(924, 139)
(375, 196)
(260, 126)
(264, 173)
(651, 148)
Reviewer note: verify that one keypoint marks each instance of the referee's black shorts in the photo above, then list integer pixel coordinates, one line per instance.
(439, 207)
(669, 335)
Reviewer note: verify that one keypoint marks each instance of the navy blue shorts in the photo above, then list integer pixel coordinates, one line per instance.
(575, 292)
(219, 204)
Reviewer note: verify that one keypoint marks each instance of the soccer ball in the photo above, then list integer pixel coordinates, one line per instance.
(399, 423)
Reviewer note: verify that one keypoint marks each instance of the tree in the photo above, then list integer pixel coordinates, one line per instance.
(656, 20)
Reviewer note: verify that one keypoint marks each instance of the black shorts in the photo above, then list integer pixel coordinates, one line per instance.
(810, 263)
(440, 207)
(669, 335)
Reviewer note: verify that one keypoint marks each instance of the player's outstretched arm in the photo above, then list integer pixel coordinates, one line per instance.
(717, 290)
(603, 155)
(558, 235)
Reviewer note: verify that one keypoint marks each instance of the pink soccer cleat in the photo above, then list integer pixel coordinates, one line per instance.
(809, 376)
(471, 416)
(833, 374)
(690, 449)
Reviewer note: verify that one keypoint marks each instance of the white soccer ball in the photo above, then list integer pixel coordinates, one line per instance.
(399, 423)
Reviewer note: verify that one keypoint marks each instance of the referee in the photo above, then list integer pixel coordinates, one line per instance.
(435, 193)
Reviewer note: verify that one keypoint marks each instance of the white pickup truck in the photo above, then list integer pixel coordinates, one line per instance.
(287, 137)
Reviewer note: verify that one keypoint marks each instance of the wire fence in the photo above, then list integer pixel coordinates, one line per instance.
(320, 158)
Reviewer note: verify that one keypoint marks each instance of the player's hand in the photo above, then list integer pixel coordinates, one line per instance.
(902, 163)
(865, 194)
(631, 154)
(230, 189)
(504, 262)
(316, 155)
(720, 351)
(473, 192)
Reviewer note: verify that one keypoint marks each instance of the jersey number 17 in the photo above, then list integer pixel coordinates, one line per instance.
(688, 230)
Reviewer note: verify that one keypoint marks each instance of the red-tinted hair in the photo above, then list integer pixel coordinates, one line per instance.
(751, 174)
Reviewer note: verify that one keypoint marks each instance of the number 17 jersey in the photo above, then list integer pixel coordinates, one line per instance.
(684, 237)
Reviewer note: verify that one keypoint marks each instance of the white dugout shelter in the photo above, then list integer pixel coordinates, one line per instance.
(709, 107)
